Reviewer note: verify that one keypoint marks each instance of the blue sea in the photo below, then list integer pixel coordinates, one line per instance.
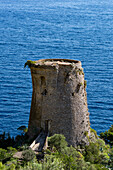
(72, 29)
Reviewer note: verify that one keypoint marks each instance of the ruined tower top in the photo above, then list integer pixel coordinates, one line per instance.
(59, 102)
(53, 62)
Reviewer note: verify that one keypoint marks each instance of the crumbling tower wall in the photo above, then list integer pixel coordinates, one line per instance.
(59, 102)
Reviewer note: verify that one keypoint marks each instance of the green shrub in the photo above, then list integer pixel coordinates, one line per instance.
(10, 166)
(93, 131)
(97, 153)
(102, 146)
(71, 158)
(29, 63)
(92, 153)
(28, 155)
(3, 154)
(23, 147)
(2, 167)
(100, 167)
(107, 136)
(96, 156)
(104, 158)
(11, 150)
(51, 162)
(58, 141)
(111, 158)
(33, 165)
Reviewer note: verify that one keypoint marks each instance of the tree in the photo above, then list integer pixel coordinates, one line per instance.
(107, 136)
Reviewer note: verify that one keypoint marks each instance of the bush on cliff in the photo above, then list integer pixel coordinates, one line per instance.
(107, 136)
(95, 153)
(58, 141)
(96, 156)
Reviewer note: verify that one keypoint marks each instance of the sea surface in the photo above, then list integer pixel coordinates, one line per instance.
(72, 29)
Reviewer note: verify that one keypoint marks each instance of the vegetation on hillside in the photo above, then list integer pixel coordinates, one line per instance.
(59, 156)
(107, 136)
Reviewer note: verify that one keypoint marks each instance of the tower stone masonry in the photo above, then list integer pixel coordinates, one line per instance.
(59, 101)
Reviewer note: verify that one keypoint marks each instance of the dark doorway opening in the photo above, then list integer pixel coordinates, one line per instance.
(47, 126)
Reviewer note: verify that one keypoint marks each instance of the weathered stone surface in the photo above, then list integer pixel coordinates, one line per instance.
(59, 102)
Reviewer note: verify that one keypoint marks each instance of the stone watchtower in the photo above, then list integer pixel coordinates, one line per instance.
(59, 102)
